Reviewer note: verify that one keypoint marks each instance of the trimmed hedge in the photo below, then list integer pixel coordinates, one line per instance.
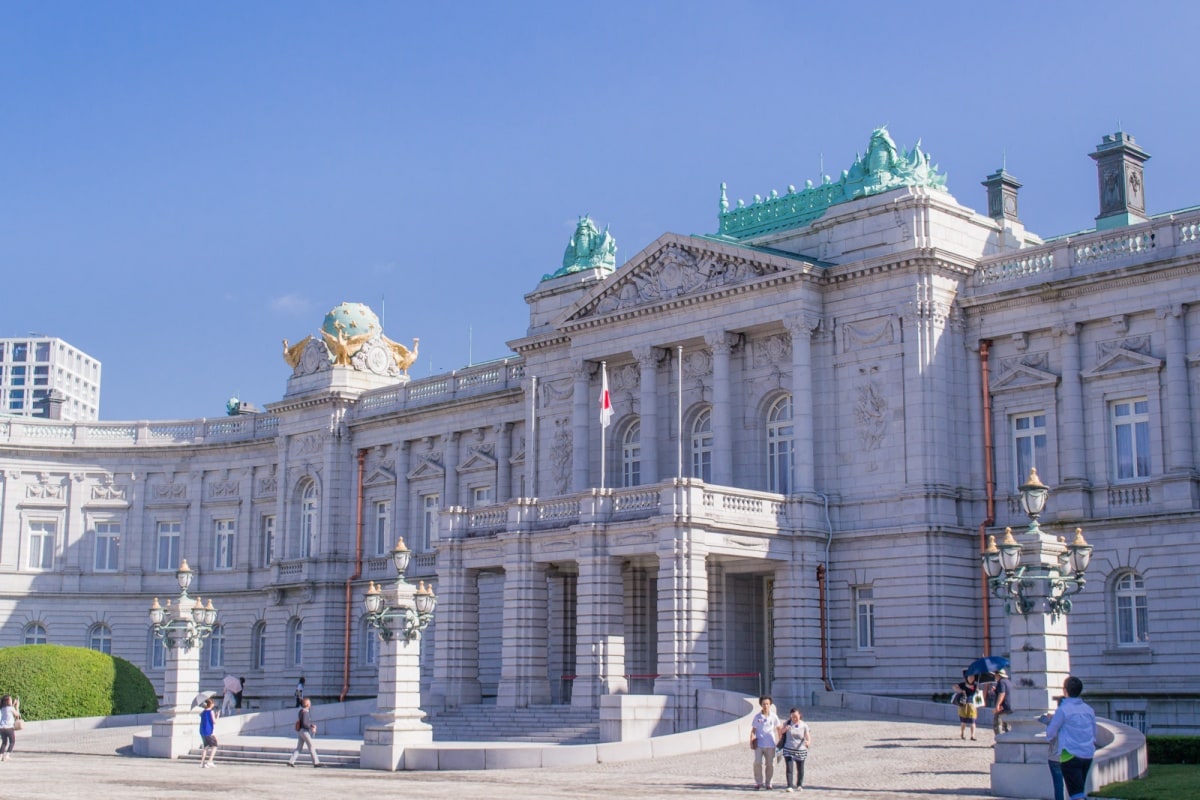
(1173, 749)
(57, 682)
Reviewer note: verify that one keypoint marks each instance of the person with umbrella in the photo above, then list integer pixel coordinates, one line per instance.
(232, 685)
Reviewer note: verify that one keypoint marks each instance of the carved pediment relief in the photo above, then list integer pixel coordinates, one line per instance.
(1025, 372)
(1120, 360)
(428, 467)
(380, 477)
(680, 266)
(478, 460)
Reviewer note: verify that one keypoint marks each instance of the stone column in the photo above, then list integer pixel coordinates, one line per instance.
(581, 416)
(797, 667)
(503, 465)
(1069, 496)
(721, 343)
(456, 657)
(523, 669)
(398, 717)
(682, 624)
(1179, 419)
(403, 499)
(801, 327)
(648, 358)
(450, 465)
(1037, 644)
(174, 734)
(599, 623)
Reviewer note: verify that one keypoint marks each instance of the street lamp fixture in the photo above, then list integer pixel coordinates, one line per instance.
(1018, 583)
(187, 623)
(411, 620)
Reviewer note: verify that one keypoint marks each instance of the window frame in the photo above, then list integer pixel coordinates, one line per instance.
(1137, 426)
(45, 531)
(382, 518)
(166, 531)
(110, 530)
(267, 528)
(103, 634)
(258, 646)
(1131, 610)
(217, 641)
(224, 544)
(35, 633)
(310, 508)
(631, 454)
(1038, 443)
(295, 640)
(702, 445)
(864, 618)
(781, 444)
(431, 505)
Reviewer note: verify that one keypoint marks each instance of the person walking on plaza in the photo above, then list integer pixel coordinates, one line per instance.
(232, 687)
(764, 731)
(1003, 703)
(237, 696)
(208, 738)
(10, 712)
(300, 692)
(305, 730)
(795, 738)
(968, 712)
(1074, 725)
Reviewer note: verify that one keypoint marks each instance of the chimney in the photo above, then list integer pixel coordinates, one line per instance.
(54, 404)
(1002, 195)
(1122, 191)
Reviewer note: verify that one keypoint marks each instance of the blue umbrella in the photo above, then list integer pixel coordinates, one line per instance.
(988, 664)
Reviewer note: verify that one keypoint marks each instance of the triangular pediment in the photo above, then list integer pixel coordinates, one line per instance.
(380, 477)
(1121, 360)
(477, 461)
(1023, 376)
(676, 267)
(427, 468)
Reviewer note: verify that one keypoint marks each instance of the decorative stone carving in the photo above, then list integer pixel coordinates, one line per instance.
(697, 364)
(221, 490)
(169, 491)
(868, 332)
(561, 453)
(775, 349)
(870, 412)
(1132, 344)
(553, 392)
(625, 378)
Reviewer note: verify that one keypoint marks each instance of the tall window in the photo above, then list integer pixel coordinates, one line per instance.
(370, 644)
(383, 527)
(267, 551)
(168, 546)
(1029, 444)
(308, 518)
(631, 455)
(780, 433)
(1133, 624)
(216, 647)
(224, 536)
(100, 638)
(35, 633)
(429, 520)
(296, 641)
(702, 446)
(41, 544)
(1131, 438)
(258, 646)
(108, 546)
(864, 602)
(158, 652)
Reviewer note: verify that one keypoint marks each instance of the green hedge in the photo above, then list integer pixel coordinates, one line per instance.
(1173, 749)
(56, 682)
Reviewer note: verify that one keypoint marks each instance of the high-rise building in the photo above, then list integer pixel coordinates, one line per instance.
(44, 376)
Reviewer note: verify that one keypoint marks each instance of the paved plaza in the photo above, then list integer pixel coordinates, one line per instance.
(854, 755)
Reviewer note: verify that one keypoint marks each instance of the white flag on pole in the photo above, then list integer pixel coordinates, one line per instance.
(606, 410)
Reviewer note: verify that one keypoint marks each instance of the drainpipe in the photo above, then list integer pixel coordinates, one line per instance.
(989, 479)
(824, 627)
(358, 551)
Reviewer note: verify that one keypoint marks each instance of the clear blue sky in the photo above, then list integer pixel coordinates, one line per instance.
(184, 184)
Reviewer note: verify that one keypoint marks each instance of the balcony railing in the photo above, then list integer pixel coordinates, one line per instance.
(480, 379)
(33, 431)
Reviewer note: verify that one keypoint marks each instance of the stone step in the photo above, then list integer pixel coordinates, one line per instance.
(540, 724)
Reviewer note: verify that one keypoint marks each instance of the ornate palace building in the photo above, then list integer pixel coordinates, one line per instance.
(820, 412)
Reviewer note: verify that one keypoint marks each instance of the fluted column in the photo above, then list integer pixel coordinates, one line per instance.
(503, 467)
(1179, 420)
(450, 451)
(648, 358)
(721, 343)
(801, 327)
(580, 417)
(1071, 423)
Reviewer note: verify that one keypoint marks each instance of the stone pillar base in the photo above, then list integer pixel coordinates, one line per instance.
(1030, 781)
(173, 737)
(383, 746)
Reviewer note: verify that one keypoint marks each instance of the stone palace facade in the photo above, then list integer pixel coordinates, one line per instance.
(820, 412)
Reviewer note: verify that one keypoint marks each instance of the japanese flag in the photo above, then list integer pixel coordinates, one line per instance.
(606, 411)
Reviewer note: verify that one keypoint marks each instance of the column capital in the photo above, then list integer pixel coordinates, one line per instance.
(802, 324)
(648, 356)
(1067, 328)
(722, 342)
(1175, 310)
(584, 370)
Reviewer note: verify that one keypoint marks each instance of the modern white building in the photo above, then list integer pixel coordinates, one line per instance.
(43, 376)
(820, 412)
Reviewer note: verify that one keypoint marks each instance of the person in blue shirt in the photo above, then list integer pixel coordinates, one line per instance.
(1074, 725)
(208, 721)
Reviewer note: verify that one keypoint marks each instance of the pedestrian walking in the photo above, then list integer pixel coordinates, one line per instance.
(1054, 757)
(764, 731)
(1074, 724)
(10, 712)
(208, 738)
(794, 741)
(237, 696)
(306, 729)
(300, 692)
(1003, 704)
(232, 686)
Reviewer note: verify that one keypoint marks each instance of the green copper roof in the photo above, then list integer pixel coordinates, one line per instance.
(882, 169)
(589, 248)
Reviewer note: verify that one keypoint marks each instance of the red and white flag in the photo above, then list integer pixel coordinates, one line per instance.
(606, 411)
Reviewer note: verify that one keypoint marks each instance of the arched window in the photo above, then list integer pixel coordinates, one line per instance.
(1133, 623)
(100, 638)
(780, 433)
(631, 455)
(216, 647)
(35, 633)
(370, 644)
(702, 446)
(309, 506)
(295, 638)
(258, 646)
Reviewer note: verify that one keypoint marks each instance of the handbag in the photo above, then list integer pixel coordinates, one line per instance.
(18, 723)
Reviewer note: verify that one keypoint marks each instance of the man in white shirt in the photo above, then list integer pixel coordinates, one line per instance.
(764, 734)
(1074, 723)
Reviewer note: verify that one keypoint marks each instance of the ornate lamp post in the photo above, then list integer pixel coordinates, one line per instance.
(1037, 577)
(399, 621)
(182, 627)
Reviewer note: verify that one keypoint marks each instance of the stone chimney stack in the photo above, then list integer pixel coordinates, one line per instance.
(1002, 195)
(54, 404)
(1122, 190)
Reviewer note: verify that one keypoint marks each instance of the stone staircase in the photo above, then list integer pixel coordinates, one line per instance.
(278, 749)
(543, 724)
